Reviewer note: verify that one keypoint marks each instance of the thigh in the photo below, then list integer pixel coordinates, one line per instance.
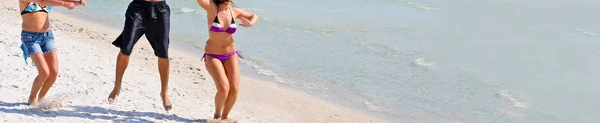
(232, 70)
(51, 60)
(217, 72)
(40, 63)
(31, 44)
(48, 44)
(133, 29)
(158, 31)
(49, 48)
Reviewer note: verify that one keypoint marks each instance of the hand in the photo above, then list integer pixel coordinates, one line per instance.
(82, 2)
(245, 22)
(78, 2)
(69, 5)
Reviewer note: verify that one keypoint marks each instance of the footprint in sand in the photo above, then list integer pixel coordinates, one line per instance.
(50, 104)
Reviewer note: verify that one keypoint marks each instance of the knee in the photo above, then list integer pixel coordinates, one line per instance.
(163, 60)
(43, 73)
(233, 90)
(123, 55)
(224, 89)
(161, 54)
(53, 73)
(125, 52)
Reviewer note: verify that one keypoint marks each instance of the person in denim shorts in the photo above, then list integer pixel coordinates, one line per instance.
(38, 43)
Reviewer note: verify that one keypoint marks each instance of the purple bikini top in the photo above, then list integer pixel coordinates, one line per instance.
(217, 27)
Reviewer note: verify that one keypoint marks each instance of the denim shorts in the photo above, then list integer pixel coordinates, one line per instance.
(36, 42)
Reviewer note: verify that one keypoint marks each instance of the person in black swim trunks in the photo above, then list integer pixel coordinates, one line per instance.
(38, 43)
(150, 18)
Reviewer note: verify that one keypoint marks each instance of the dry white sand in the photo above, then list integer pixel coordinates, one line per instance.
(87, 64)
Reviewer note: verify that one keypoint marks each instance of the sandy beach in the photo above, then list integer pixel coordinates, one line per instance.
(86, 76)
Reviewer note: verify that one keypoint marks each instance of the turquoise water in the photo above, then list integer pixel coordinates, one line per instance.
(418, 61)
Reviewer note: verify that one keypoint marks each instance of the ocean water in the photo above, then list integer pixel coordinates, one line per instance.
(417, 60)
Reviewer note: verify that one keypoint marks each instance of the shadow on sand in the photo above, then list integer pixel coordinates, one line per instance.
(92, 113)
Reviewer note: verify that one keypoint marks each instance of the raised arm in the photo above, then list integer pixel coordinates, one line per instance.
(80, 2)
(248, 18)
(204, 4)
(48, 2)
(77, 2)
(63, 3)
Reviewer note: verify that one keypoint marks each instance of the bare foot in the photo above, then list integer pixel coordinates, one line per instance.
(229, 120)
(168, 107)
(32, 102)
(214, 121)
(216, 117)
(166, 102)
(112, 98)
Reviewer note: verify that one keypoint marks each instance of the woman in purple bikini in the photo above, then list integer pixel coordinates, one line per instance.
(220, 49)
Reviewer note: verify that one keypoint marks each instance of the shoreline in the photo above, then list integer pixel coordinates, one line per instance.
(259, 101)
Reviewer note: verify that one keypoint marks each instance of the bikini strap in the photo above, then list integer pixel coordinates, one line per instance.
(31, 3)
(216, 20)
(232, 18)
(239, 54)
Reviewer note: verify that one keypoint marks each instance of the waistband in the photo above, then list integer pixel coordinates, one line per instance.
(37, 33)
(150, 3)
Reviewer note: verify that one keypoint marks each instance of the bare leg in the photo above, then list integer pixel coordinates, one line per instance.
(43, 73)
(216, 71)
(232, 69)
(52, 61)
(163, 69)
(122, 62)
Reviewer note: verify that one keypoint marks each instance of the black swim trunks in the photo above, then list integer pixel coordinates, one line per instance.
(149, 18)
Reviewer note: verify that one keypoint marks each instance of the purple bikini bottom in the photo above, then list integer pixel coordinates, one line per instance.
(222, 57)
